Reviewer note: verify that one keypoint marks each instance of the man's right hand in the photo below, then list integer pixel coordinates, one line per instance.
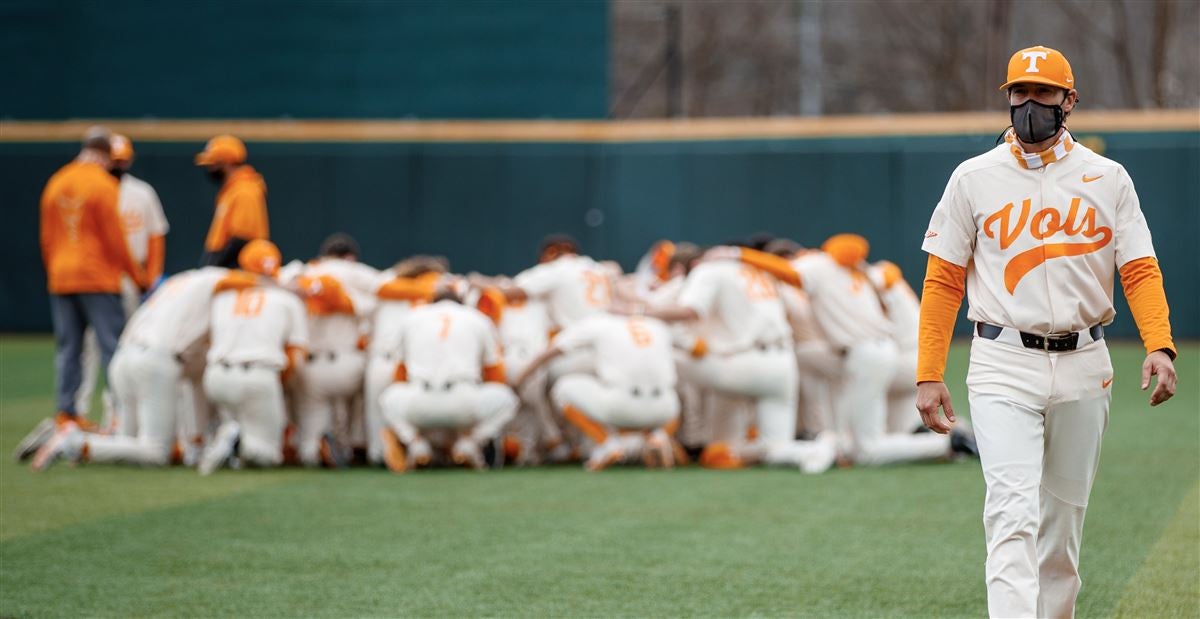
(932, 396)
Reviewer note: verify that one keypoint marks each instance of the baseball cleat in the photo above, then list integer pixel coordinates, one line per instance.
(67, 443)
(605, 455)
(221, 449)
(825, 456)
(658, 452)
(331, 456)
(721, 456)
(393, 451)
(34, 440)
(467, 453)
(420, 453)
(962, 443)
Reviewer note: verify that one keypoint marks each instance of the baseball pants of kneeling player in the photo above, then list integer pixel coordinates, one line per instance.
(768, 374)
(253, 397)
(620, 407)
(483, 409)
(863, 415)
(146, 384)
(328, 380)
(1039, 418)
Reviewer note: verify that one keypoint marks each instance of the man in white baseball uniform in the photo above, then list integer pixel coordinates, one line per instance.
(847, 305)
(524, 333)
(573, 286)
(633, 389)
(146, 234)
(450, 377)
(749, 353)
(414, 283)
(339, 294)
(259, 337)
(1036, 229)
(147, 371)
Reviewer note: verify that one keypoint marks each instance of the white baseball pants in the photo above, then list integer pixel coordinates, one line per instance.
(145, 382)
(329, 381)
(483, 409)
(619, 407)
(1039, 418)
(254, 398)
(769, 376)
(380, 373)
(863, 415)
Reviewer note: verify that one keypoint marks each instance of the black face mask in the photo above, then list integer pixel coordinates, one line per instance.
(217, 176)
(1035, 122)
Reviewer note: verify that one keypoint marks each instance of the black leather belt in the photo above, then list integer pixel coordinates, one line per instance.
(1050, 343)
(245, 366)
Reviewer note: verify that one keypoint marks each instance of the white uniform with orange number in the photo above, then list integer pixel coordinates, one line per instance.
(251, 328)
(1041, 248)
(147, 369)
(383, 353)
(142, 217)
(573, 287)
(750, 343)
(445, 347)
(332, 380)
(849, 310)
(634, 386)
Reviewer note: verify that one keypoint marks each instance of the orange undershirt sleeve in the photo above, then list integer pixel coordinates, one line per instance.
(945, 284)
(494, 373)
(1143, 284)
(778, 267)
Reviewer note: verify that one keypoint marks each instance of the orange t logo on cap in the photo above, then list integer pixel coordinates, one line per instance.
(1039, 65)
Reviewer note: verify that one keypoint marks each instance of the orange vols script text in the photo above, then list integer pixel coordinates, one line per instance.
(1045, 223)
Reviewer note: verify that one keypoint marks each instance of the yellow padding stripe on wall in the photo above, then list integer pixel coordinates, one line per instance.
(599, 131)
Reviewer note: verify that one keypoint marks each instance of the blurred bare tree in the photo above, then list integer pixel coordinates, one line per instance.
(790, 57)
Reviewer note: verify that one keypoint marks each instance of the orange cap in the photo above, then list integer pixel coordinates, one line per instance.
(260, 256)
(1039, 65)
(222, 149)
(846, 249)
(122, 148)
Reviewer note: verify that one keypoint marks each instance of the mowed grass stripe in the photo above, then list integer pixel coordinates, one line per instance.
(1168, 583)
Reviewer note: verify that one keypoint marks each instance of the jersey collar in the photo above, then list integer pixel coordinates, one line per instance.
(1033, 161)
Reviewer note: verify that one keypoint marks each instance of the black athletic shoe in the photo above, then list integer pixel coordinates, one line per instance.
(963, 443)
(493, 454)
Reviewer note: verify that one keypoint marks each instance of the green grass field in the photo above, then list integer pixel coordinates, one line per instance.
(902, 541)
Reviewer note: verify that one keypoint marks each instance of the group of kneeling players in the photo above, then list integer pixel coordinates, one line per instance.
(763, 352)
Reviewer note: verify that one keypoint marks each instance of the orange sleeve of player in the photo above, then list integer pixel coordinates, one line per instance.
(156, 255)
(491, 304)
(945, 284)
(248, 215)
(401, 373)
(495, 373)
(778, 267)
(295, 358)
(1143, 284)
(112, 235)
(408, 289)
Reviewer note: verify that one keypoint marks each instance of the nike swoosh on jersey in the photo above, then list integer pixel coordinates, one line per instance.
(1105, 384)
(1088, 179)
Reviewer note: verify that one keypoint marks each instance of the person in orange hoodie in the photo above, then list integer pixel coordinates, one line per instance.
(85, 254)
(241, 213)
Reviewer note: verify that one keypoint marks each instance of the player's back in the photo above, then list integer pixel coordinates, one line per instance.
(845, 302)
(573, 287)
(630, 350)
(177, 314)
(447, 342)
(255, 325)
(738, 304)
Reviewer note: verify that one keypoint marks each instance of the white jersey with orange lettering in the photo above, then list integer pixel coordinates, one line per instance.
(845, 303)
(177, 314)
(739, 306)
(572, 287)
(254, 326)
(1041, 247)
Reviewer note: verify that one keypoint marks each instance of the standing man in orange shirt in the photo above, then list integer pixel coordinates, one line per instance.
(85, 253)
(241, 214)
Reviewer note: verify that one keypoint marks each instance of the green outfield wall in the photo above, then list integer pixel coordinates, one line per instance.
(486, 205)
(304, 59)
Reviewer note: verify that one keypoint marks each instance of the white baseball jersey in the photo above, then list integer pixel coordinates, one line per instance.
(254, 325)
(1040, 246)
(738, 304)
(360, 281)
(141, 214)
(632, 350)
(844, 302)
(572, 287)
(177, 314)
(525, 332)
(447, 342)
(903, 308)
